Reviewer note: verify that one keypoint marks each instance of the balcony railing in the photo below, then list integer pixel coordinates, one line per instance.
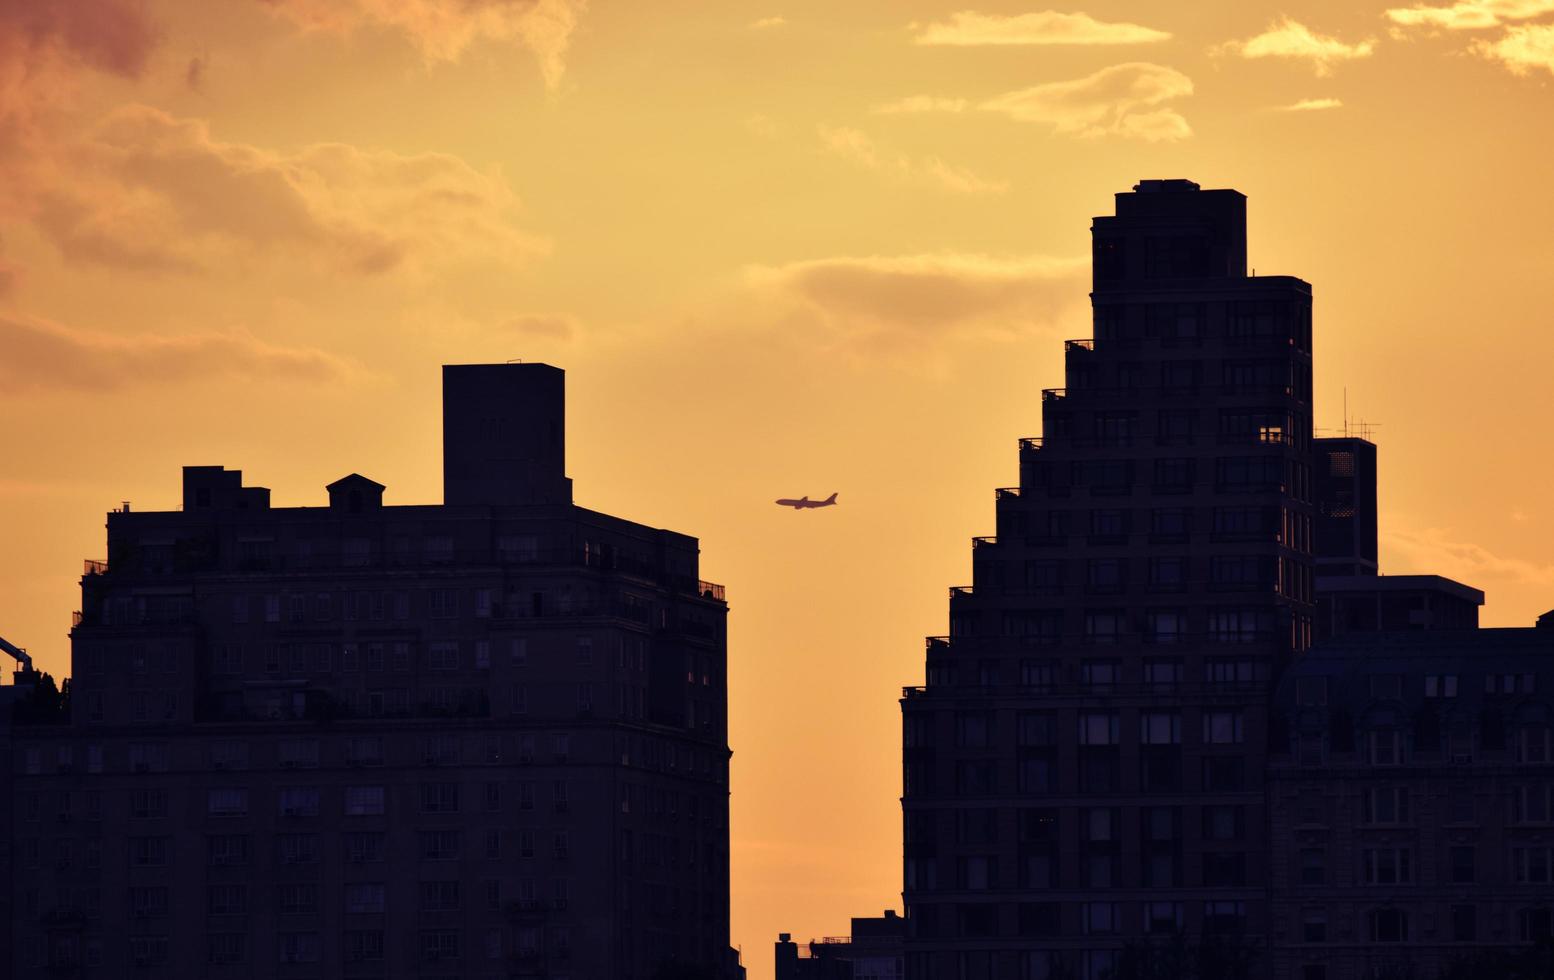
(1006, 493)
(1084, 344)
(94, 566)
(983, 542)
(710, 590)
(1031, 444)
(1053, 394)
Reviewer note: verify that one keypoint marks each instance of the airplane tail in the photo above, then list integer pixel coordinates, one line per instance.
(831, 499)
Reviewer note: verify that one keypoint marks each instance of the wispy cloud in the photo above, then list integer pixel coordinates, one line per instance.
(896, 302)
(1047, 27)
(1469, 14)
(1312, 105)
(1522, 49)
(1291, 39)
(767, 23)
(546, 326)
(1123, 100)
(1440, 549)
(39, 355)
(860, 149)
(444, 29)
(922, 103)
(147, 190)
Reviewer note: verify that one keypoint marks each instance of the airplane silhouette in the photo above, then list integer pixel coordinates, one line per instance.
(804, 502)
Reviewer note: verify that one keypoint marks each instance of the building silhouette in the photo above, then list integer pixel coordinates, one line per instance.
(872, 951)
(479, 739)
(1084, 766)
(1409, 799)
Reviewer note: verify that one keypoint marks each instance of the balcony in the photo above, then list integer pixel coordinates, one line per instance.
(987, 541)
(1053, 394)
(95, 566)
(960, 590)
(1031, 444)
(710, 590)
(1085, 344)
(1006, 493)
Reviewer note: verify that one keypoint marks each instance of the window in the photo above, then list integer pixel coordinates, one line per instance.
(1388, 925)
(1224, 917)
(1164, 627)
(363, 801)
(1385, 804)
(1464, 923)
(299, 801)
(296, 848)
(1103, 626)
(227, 850)
(1099, 675)
(1313, 866)
(1160, 728)
(1104, 575)
(973, 729)
(439, 845)
(1099, 918)
(1440, 685)
(1534, 925)
(1098, 728)
(439, 797)
(1531, 802)
(1222, 823)
(1384, 747)
(299, 947)
(1222, 728)
(1162, 675)
(1531, 865)
(1313, 925)
(1462, 864)
(1162, 917)
(1167, 573)
(443, 656)
(1387, 866)
(439, 896)
(1239, 625)
(227, 802)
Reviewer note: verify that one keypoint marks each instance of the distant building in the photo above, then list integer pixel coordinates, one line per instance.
(872, 952)
(1083, 769)
(1351, 595)
(479, 739)
(1410, 802)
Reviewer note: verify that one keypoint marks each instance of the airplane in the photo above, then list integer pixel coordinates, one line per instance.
(804, 502)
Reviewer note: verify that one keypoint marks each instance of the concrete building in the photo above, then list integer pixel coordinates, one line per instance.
(479, 739)
(1084, 766)
(1410, 802)
(871, 952)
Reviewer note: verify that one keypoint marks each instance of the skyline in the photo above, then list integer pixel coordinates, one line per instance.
(758, 219)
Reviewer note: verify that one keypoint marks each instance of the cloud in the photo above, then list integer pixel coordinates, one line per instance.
(444, 29)
(1438, 550)
(1288, 38)
(1469, 14)
(922, 103)
(548, 326)
(38, 355)
(43, 43)
(1047, 27)
(860, 149)
(1312, 105)
(146, 190)
(1522, 49)
(767, 22)
(915, 301)
(1123, 100)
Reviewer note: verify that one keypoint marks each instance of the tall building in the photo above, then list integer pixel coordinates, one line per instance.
(1083, 769)
(479, 739)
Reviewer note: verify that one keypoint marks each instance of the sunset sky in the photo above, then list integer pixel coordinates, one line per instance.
(780, 248)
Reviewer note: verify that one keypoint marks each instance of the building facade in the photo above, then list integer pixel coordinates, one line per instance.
(480, 739)
(1083, 769)
(1410, 802)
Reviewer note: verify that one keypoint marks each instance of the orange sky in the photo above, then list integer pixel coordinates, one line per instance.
(780, 248)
